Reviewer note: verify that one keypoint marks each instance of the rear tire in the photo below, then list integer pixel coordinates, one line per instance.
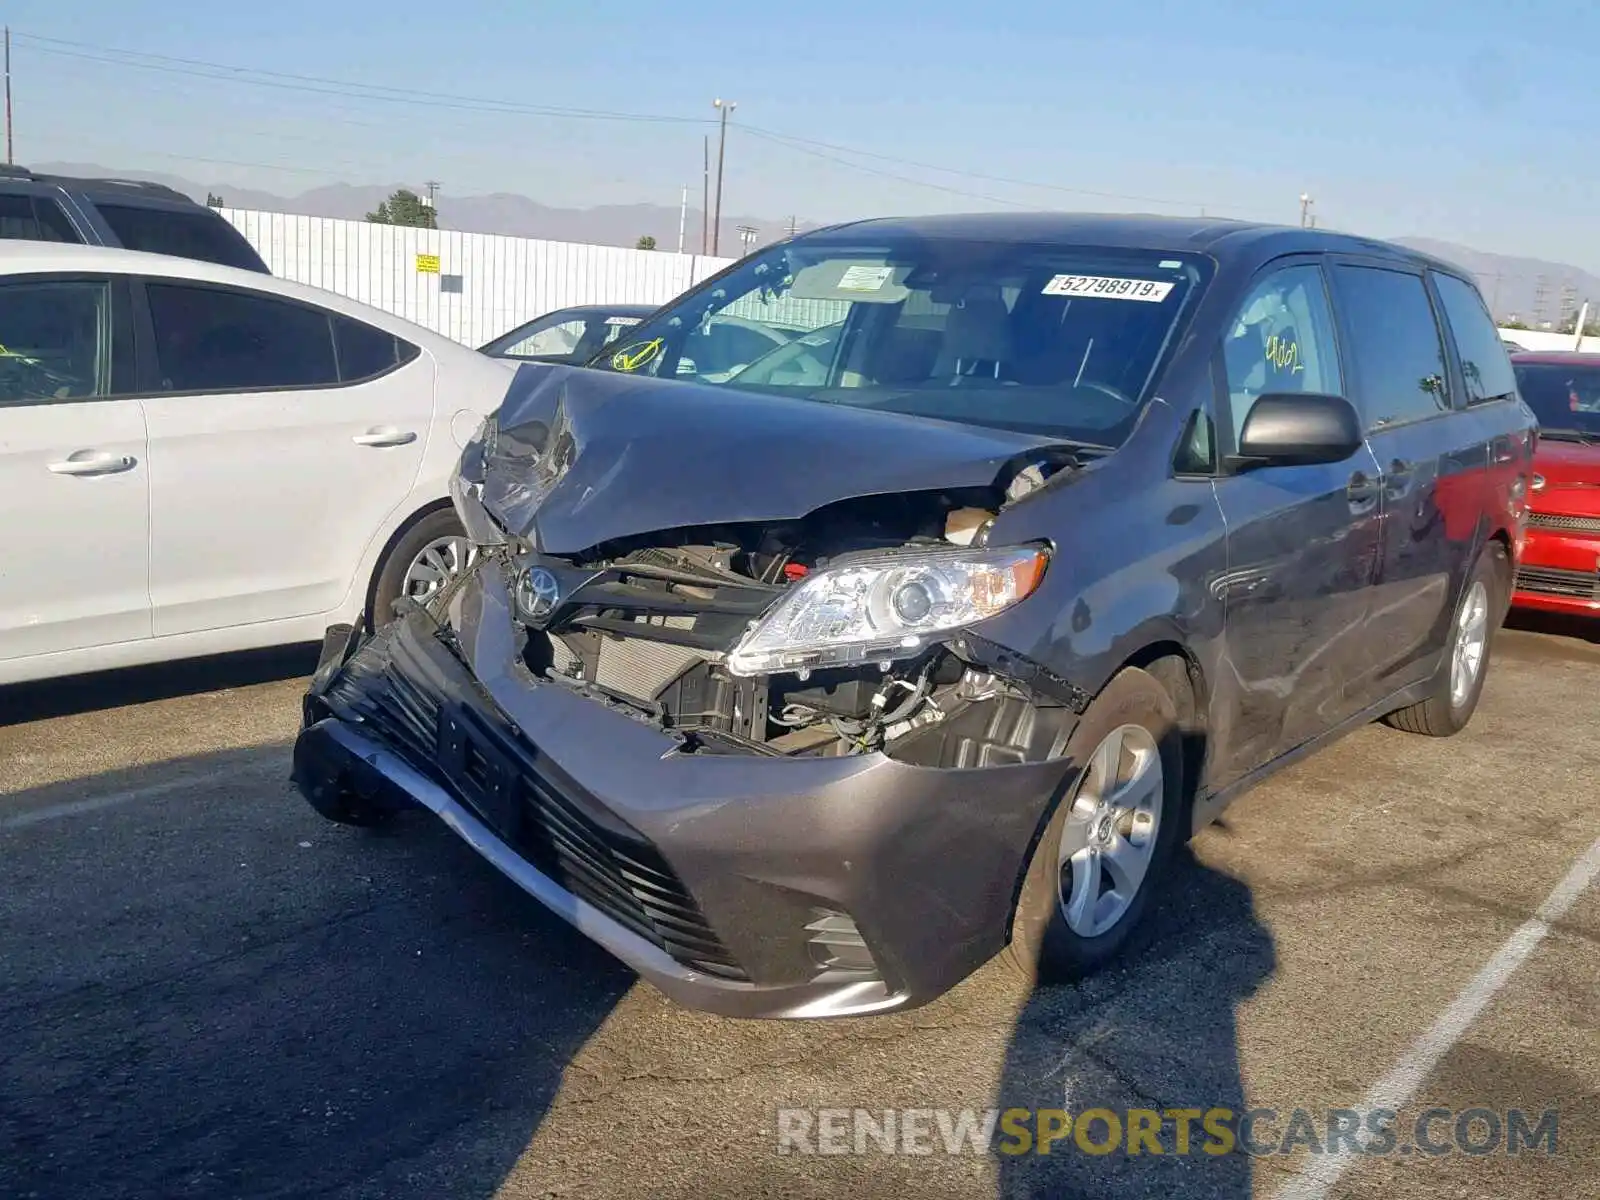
(425, 550)
(1108, 848)
(1459, 683)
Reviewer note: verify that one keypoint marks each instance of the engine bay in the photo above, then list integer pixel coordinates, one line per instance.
(650, 621)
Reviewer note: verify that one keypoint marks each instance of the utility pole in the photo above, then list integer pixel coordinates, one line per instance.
(705, 194)
(724, 107)
(432, 198)
(1307, 221)
(747, 237)
(794, 224)
(683, 216)
(9, 159)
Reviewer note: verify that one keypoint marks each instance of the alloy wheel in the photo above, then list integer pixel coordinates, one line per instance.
(1110, 833)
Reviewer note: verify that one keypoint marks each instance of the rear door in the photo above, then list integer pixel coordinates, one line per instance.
(1432, 459)
(1302, 540)
(73, 476)
(282, 435)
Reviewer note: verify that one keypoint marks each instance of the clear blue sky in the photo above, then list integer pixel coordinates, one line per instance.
(1467, 121)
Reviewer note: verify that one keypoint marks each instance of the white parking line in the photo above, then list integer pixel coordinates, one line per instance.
(1399, 1087)
(76, 808)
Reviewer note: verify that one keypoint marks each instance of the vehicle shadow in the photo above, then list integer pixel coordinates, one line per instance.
(1156, 1033)
(1563, 625)
(24, 702)
(213, 992)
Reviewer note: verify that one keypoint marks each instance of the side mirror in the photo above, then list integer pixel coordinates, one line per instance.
(1298, 429)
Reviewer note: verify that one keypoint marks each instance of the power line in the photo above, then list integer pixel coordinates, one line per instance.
(326, 86)
(320, 85)
(800, 142)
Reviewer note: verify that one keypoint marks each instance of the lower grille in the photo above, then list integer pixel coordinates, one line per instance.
(1556, 581)
(546, 818)
(1564, 524)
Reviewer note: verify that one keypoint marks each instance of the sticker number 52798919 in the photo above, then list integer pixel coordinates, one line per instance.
(1108, 287)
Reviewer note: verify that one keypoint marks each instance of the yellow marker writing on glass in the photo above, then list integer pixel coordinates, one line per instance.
(1284, 354)
(631, 358)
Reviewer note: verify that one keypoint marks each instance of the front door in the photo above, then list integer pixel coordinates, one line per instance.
(1302, 540)
(282, 436)
(73, 476)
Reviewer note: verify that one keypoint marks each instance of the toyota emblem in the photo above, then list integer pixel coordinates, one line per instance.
(538, 591)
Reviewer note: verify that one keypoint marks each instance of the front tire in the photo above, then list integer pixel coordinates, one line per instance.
(420, 562)
(1459, 684)
(1109, 846)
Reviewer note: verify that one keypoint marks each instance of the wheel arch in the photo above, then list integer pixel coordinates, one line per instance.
(404, 527)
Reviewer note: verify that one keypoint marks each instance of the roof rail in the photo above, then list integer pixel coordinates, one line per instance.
(11, 172)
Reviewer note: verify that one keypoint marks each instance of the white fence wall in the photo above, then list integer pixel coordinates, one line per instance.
(1538, 339)
(483, 284)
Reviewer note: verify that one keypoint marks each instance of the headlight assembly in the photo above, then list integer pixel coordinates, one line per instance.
(885, 607)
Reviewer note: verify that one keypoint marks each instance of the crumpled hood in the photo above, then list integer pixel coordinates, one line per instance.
(586, 456)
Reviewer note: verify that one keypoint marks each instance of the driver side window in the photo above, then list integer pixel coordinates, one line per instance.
(1281, 340)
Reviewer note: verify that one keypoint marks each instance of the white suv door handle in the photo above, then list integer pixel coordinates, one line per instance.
(93, 462)
(385, 436)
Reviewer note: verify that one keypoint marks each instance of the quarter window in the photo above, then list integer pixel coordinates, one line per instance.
(1281, 341)
(55, 341)
(1485, 366)
(1394, 342)
(365, 352)
(218, 340)
(200, 234)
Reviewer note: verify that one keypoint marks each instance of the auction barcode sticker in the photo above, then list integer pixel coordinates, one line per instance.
(1108, 287)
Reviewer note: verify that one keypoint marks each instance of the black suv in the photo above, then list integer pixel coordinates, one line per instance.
(118, 212)
(806, 682)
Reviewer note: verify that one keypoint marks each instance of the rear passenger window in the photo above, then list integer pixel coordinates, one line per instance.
(211, 339)
(35, 219)
(1394, 344)
(55, 341)
(1485, 365)
(1281, 341)
(365, 352)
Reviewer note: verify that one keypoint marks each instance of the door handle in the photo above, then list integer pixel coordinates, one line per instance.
(1361, 490)
(387, 436)
(93, 462)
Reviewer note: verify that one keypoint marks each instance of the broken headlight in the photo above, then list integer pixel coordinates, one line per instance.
(884, 607)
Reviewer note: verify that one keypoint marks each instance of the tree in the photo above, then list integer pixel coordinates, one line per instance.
(213, 200)
(1513, 323)
(645, 243)
(405, 207)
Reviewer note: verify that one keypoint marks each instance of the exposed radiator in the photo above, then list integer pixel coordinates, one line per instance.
(633, 666)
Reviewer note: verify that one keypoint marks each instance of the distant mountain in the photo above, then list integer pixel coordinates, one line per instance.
(500, 212)
(1512, 285)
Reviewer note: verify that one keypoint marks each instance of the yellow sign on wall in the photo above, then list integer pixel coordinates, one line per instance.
(428, 264)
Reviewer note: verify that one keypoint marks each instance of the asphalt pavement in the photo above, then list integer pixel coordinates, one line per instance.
(206, 991)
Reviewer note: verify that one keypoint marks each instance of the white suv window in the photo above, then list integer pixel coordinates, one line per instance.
(1282, 340)
(55, 340)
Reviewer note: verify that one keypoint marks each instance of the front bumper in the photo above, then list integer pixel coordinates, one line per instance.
(729, 880)
(1559, 572)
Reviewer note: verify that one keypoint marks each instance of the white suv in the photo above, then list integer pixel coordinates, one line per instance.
(196, 459)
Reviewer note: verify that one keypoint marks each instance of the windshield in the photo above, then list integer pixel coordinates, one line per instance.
(1564, 396)
(1057, 340)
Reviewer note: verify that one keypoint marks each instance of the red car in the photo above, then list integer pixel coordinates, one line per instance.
(1560, 566)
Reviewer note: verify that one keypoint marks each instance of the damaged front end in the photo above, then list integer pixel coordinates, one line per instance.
(822, 613)
(763, 758)
(842, 633)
